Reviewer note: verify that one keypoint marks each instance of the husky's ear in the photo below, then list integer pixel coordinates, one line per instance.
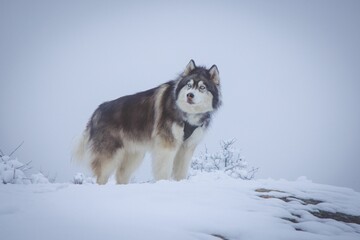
(191, 66)
(214, 74)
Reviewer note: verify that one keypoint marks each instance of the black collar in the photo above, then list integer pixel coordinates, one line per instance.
(189, 128)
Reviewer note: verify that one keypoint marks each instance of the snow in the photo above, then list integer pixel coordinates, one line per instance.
(206, 206)
(39, 178)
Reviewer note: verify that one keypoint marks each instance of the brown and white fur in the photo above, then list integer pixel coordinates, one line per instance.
(168, 121)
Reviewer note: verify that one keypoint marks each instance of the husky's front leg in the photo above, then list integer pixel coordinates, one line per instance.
(164, 151)
(183, 157)
(182, 162)
(163, 160)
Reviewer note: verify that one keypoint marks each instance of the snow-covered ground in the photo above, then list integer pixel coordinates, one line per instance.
(207, 206)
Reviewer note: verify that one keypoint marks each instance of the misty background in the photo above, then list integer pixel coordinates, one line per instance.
(289, 73)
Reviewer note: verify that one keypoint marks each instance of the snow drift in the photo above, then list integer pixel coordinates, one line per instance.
(207, 206)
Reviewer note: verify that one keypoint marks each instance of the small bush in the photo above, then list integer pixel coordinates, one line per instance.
(228, 160)
(13, 171)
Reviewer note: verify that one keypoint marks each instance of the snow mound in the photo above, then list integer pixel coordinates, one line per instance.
(207, 206)
(80, 178)
(39, 178)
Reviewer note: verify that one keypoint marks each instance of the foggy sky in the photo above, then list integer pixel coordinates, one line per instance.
(289, 73)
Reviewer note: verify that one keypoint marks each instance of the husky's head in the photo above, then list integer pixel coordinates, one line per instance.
(198, 89)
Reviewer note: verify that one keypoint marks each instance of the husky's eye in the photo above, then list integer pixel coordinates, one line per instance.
(202, 88)
(189, 85)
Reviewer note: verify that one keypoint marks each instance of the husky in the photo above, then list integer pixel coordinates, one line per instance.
(168, 121)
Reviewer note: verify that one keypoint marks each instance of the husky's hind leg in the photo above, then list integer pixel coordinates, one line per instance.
(102, 168)
(130, 162)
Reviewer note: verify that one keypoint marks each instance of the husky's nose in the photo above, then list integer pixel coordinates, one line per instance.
(190, 96)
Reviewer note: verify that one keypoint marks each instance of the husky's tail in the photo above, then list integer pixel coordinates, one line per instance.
(81, 148)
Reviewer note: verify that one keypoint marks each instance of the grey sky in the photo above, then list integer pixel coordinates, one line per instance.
(289, 69)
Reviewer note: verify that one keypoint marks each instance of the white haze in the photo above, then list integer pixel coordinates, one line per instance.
(289, 69)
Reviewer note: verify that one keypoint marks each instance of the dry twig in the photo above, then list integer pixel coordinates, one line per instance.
(16, 149)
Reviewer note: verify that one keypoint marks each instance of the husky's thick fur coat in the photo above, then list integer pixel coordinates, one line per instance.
(168, 121)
